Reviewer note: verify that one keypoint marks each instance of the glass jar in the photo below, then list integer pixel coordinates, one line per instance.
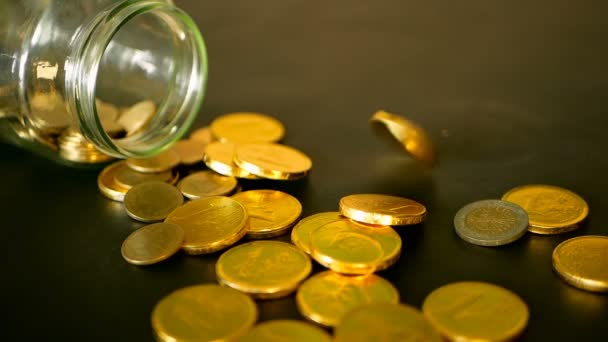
(114, 78)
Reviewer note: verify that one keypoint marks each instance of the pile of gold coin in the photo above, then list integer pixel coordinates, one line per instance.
(73, 146)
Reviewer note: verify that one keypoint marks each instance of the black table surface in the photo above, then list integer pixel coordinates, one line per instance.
(511, 92)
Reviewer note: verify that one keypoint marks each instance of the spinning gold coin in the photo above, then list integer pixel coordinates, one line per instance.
(583, 262)
(205, 184)
(247, 128)
(152, 243)
(272, 161)
(152, 201)
(382, 209)
(107, 184)
(271, 213)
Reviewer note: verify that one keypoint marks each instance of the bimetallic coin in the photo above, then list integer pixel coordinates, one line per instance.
(583, 262)
(202, 135)
(246, 128)
(491, 222)
(300, 235)
(551, 209)
(327, 296)
(107, 184)
(385, 322)
(286, 330)
(468, 311)
(272, 161)
(152, 201)
(210, 223)
(271, 213)
(152, 244)
(264, 269)
(190, 151)
(382, 209)
(136, 117)
(205, 184)
(219, 158)
(161, 162)
(128, 178)
(406, 134)
(203, 313)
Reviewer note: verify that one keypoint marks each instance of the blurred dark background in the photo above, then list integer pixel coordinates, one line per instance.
(512, 92)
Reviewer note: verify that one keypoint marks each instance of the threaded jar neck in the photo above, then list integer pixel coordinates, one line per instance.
(138, 51)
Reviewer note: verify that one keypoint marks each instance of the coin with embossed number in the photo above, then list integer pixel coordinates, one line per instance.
(264, 269)
(583, 262)
(491, 222)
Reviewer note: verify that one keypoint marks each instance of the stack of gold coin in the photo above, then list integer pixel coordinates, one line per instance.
(73, 146)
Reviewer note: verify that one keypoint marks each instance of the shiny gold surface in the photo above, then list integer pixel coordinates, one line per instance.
(272, 161)
(327, 296)
(152, 243)
(286, 331)
(202, 135)
(203, 313)
(583, 262)
(210, 223)
(475, 311)
(219, 158)
(107, 184)
(206, 183)
(385, 322)
(136, 117)
(246, 128)
(350, 248)
(409, 135)
(73, 146)
(108, 116)
(264, 269)
(551, 209)
(382, 209)
(300, 235)
(152, 201)
(190, 151)
(128, 178)
(163, 161)
(271, 213)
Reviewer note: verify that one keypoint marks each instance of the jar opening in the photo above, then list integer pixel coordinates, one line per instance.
(147, 59)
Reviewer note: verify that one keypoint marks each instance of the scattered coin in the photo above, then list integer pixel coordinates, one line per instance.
(300, 235)
(467, 311)
(152, 243)
(202, 135)
(264, 269)
(247, 128)
(107, 184)
(136, 117)
(271, 213)
(128, 178)
(206, 183)
(163, 161)
(551, 209)
(327, 296)
(272, 161)
(407, 134)
(152, 201)
(583, 262)
(203, 313)
(210, 223)
(382, 209)
(190, 151)
(73, 146)
(219, 158)
(491, 222)
(286, 330)
(385, 322)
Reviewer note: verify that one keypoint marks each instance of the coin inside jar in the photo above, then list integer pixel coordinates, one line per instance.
(152, 201)
(206, 183)
(152, 243)
(382, 209)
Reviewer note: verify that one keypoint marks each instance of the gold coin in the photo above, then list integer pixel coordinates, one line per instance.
(385, 322)
(190, 151)
(219, 158)
(382, 209)
(152, 201)
(407, 134)
(108, 186)
(136, 117)
(264, 269)
(152, 243)
(203, 313)
(583, 262)
(206, 183)
(350, 248)
(128, 178)
(551, 209)
(300, 235)
(163, 161)
(286, 330)
(202, 135)
(247, 127)
(271, 213)
(475, 311)
(272, 161)
(210, 223)
(327, 296)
